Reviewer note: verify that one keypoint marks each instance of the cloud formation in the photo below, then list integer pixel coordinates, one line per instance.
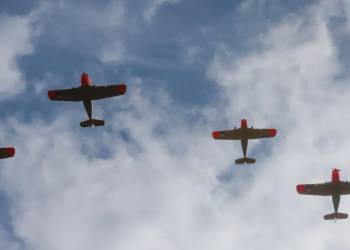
(15, 41)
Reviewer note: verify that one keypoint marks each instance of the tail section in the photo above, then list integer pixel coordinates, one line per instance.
(92, 123)
(245, 160)
(335, 216)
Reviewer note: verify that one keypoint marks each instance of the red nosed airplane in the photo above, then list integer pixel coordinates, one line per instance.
(7, 152)
(87, 93)
(335, 188)
(244, 134)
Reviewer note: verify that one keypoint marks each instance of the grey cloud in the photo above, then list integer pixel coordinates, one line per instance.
(13, 7)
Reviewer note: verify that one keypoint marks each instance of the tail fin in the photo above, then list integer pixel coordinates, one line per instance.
(335, 216)
(245, 160)
(92, 122)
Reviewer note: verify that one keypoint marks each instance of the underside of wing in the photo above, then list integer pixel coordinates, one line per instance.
(101, 92)
(7, 152)
(227, 135)
(344, 187)
(323, 189)
(74, 94)
(254, 133)
(87, 93)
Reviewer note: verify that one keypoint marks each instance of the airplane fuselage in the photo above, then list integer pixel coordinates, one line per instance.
(244, 138)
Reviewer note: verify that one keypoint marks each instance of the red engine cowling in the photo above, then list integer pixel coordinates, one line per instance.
(335, 175)
(85, 80)
(244, 123)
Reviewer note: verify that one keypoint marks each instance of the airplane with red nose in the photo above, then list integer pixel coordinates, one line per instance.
(87, 93)
(244, 134)
(334, 188)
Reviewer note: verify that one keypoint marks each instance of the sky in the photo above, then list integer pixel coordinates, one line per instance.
(153, 177)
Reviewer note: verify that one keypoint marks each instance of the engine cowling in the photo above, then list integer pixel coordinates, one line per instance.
(85, 80)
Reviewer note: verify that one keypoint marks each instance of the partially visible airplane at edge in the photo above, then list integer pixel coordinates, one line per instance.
(7, 152)
(244, 134)
(87, 93)
(335, 188)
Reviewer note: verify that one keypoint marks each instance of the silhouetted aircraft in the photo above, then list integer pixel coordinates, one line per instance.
(87, 93)
(335, 188)
(7, 152)
(244, 134)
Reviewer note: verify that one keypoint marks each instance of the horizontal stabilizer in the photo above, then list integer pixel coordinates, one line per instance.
(335, 216)
(92, 123)
(245, 160)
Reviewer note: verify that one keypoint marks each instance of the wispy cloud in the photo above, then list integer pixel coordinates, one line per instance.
(15, 41)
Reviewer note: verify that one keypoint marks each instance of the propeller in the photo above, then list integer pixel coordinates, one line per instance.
(336, 169)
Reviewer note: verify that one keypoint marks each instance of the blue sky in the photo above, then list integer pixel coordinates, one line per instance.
(153, 178)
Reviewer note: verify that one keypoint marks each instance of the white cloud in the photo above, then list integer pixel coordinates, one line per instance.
(99, 30)
(111, 53)
(15, 41)
(102, 30)
(154, 6)
(113, 47)
(87, 28)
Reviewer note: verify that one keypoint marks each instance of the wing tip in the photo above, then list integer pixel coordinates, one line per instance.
(216, 135)
(11, 151)
(121, 88)
(52, 94)
(300, 188)
(273, 132)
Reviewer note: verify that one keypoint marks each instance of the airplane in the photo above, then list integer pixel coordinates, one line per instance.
(87, 93)
(7, 152)
(335, 188)
(244, 134)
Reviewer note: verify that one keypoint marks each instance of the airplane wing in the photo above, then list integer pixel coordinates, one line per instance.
(101, 92)
(344, 187)
(324, 189)
(237, 134)
(254, 133)
(234, 134)
(86, 93)
(7, 152)
(73, 95)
